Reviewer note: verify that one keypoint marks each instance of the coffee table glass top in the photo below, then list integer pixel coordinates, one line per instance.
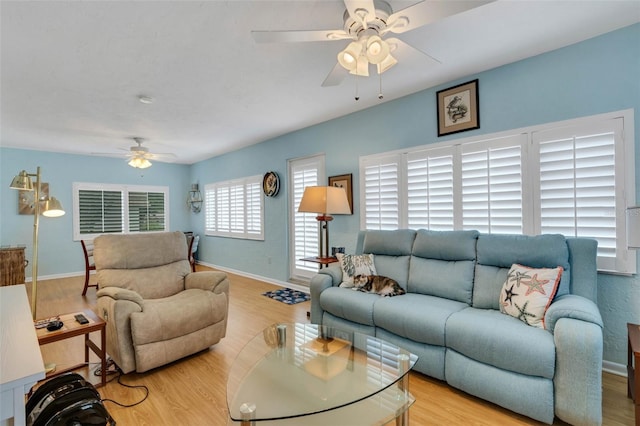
(293, 370)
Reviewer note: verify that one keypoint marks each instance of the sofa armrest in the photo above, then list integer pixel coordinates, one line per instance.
(117, 293)
(325, 278)
(573, 307)
(214, 281)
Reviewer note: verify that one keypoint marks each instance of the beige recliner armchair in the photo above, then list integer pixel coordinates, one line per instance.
(156, 309)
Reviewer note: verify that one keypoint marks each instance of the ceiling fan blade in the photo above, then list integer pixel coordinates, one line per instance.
(427, 12)
(335, 77)
(361, 10)
(298, 36)
(402, 49)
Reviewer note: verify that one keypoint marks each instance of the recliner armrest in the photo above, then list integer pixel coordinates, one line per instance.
(573, 307)
(214, 281)
(118, 293)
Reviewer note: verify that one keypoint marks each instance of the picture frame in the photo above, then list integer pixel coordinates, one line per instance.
(458, 108)
(344, 181)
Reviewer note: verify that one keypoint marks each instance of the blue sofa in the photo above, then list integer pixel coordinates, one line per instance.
(450, 317)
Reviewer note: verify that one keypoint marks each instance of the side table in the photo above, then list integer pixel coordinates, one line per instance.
(72, 328)
(323, 261)
(633, 363)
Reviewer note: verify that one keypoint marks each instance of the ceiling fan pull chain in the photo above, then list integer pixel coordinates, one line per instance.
(380, 92)
(357, 98)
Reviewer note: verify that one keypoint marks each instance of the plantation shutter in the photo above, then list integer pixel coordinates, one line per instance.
(430, 190)
(254, 198)
(305, 172)
(492, 185)
(577, 185)
(381, 199)
(100, 212)
(235, 208)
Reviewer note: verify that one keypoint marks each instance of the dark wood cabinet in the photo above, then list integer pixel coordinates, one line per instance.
(12, 264)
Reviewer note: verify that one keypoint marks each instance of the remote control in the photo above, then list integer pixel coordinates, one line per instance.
(44, 322)
(82, 319)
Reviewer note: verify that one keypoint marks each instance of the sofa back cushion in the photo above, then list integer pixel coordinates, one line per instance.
(153, 265)
(497, 253)
(443, 264)
(391, 250)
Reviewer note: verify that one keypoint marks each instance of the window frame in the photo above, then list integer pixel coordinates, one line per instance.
(124, 190)
(251, 185)
(625, 260)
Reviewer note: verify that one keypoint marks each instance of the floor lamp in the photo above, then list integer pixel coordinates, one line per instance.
(50, 207)
(325, 201)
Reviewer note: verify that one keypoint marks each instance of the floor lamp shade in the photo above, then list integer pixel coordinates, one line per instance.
(324, 201)
(633, 228)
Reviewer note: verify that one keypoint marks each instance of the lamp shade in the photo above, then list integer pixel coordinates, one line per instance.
(52, 208)
(348, 58)
(324, 200)
(377, 49)
(22, 181)
(387, 63)
(633, 227)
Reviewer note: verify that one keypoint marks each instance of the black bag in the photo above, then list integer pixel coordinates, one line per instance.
(67, 400)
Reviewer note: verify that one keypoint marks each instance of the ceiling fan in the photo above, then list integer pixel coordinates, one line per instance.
(138, 156)
(366, 23)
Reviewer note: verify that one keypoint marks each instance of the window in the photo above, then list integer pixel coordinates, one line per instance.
(118, 209)
(234, 208)
(575, 178)
(303, 227)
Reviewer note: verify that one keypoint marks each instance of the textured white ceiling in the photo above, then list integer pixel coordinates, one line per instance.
(71, 72)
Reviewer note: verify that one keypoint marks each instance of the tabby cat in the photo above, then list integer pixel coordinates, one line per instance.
(384, 286)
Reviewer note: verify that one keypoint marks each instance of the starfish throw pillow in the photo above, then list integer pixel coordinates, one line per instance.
(528, 292)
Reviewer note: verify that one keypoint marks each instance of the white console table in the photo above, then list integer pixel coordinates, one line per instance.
(21, 364)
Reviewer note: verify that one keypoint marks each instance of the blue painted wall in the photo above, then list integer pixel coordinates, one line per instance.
(58, 254)
(596, 76)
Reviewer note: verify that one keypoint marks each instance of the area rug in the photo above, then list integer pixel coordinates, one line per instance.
(288, 296)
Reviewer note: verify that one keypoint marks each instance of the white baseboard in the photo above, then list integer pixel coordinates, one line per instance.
(614, 368)
(302, 288)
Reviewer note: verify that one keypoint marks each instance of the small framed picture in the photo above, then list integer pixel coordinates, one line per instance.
(458, 108)
(343, 181)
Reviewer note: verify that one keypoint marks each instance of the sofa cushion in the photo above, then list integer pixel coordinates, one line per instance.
(527, 293)
(389, 243)
(445, 245)
(501, 251)
(490, 337)
(443, 263)
(418, 317)
(351, 305)
(355, 264)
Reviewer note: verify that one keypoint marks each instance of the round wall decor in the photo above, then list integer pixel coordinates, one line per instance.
(270, 184)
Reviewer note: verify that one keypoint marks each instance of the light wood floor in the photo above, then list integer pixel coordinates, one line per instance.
(193, 391)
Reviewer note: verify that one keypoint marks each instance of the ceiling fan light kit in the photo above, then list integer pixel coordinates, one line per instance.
(366, 23)
(139, 163)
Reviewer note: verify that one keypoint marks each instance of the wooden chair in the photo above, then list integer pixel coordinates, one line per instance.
(192, 246)
(89, 266)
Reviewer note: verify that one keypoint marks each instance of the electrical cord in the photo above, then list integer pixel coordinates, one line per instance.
(112, 369)
(146, 394)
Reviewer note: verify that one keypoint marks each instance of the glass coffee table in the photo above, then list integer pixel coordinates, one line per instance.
(320, 373)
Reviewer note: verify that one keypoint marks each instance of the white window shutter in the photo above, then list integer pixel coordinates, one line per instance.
(381, 198)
